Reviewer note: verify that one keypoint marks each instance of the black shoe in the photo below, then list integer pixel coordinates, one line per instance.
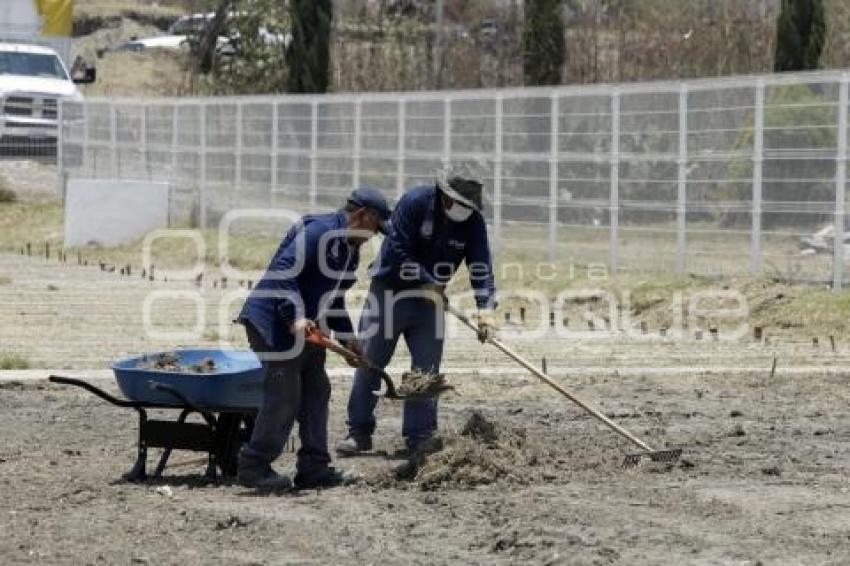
(353, 445)
(426, 447)
(330, 477)
(264, 479)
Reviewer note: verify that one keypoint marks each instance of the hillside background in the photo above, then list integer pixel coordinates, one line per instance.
(393, 45)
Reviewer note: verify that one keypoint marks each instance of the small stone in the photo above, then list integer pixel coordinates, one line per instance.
(165, 491)
(230, 522)
(738, 431)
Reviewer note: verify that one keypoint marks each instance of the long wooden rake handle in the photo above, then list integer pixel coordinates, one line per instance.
(552, 383)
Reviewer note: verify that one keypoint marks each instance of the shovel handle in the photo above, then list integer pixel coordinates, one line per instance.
(316, 337)
(551, 382)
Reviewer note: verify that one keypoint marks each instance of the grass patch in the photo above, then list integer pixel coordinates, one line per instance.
(36, 222)
(816, 310)
(5, 280)
(40, 222)
(13, 361)
(211, 335)
(7, 195)
(157, 73)
(116, 8)
(772, 304)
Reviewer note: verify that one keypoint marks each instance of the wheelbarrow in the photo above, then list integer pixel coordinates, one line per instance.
(227, 399)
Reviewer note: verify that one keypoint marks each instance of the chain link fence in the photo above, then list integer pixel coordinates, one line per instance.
(709, 177)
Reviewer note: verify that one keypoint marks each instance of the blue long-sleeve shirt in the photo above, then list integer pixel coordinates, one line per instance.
(424, 246)
(308, 276)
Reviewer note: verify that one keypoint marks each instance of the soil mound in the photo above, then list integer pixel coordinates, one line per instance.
(481, 452)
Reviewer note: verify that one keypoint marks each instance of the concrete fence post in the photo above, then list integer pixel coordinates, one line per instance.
(838, 257)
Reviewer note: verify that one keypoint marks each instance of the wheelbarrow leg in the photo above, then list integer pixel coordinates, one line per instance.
(228, 441)
(137, 472)
(166, 453)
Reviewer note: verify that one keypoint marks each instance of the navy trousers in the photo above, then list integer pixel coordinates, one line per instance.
(294, 389)
(388, 314)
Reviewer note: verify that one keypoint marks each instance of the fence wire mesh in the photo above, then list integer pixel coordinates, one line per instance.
(710, 177)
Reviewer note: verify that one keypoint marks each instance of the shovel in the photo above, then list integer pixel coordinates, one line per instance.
(316, 338)
(647, 451)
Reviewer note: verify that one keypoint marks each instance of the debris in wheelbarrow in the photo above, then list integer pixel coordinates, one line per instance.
(170, 361)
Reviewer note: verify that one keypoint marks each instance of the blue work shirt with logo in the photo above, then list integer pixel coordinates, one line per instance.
(424, 246)
(307, 277)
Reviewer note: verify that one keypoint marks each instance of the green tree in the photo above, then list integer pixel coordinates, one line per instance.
(308, 53)
(544, 48)
(209, 36)
(800, 33)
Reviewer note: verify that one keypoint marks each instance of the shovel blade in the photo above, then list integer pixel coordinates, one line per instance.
(634, 459)
(430, 394)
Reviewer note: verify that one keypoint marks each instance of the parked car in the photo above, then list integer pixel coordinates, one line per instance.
(185, 30)
(33, 81)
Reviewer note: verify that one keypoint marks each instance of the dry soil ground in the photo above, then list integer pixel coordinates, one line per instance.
(767, 484)
(765, 479)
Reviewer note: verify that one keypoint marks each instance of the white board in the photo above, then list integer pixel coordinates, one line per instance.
(20, 23)
(111, 212)
(20, 16)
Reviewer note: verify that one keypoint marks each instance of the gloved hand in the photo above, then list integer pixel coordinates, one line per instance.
(435, 292)
(357, 360)
(302, 326)
(485, 319)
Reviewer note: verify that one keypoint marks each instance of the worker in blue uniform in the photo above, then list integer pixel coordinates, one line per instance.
(303, 289)
(434, 228)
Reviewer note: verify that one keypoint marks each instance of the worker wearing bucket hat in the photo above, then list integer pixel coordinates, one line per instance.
(434, 229)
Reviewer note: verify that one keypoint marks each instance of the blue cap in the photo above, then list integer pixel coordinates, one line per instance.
(374, 200)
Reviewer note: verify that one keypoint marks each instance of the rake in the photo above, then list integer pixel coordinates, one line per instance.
(669, 455)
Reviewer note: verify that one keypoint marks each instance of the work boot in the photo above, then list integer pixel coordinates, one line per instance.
(264, 479)
(425, 447)
(416, 457)
(327, 478)
(353, 445)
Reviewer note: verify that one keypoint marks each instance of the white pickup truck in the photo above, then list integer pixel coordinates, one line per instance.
(33, 81)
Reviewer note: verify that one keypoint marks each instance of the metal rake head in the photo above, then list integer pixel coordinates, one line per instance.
(634, 458)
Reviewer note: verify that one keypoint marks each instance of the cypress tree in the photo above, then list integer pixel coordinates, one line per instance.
(800, 33)
(544, 47)
(308, 53)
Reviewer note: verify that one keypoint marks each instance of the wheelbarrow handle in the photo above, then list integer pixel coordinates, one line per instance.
(92, 389)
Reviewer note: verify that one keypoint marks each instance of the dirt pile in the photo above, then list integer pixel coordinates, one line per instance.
(170, 361)
(481, 452)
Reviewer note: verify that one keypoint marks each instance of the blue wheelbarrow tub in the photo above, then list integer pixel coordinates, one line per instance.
(236, 383)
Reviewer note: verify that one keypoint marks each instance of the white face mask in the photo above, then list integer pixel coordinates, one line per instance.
(458, 212)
